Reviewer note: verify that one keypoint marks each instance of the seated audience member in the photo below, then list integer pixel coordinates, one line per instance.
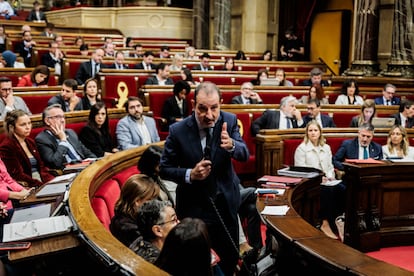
(96, 135)
(405, 115)
(49, 30)
(67, 98)
(287, 117)
(388, 96)
(54, 59)
(39, 77)
(314, 113)
(36, 14)
(129, 42)
(149, 164)
(349, 94)
(261, 74)
(10, 59)
(247, 95)
(89, 69)
(177, 62)
(204, 63)
(361, 147)
(26, 27)
(119, 62)
(162, 76)
(316, 91)
(165, 51)
(190, 53)
(281, 77)
(9, 102)
(187, 76)
(175, 108)
(58, 145)
(187, 249)
(137, 189)
(292, 47)
(240, 55)
(3, 38)
(91, 95)
(146, 63)
(155, 220)
(138, 51)
(59, 40)
(398, 145)
(368, 111)
(135, 129)
(229, 64)
(84, 50)
(79, 41)
(6, 9)
(109, 49)
(267, 55)
(315, 153)
(315, 77)
(25, 48)
(19, 152)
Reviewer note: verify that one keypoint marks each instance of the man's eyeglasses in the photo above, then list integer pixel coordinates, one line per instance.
(56, 117)
(175, 220)
(6, 89)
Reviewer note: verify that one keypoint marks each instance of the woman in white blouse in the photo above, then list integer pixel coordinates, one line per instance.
(314, 152)
(398, 145)
(350, 94)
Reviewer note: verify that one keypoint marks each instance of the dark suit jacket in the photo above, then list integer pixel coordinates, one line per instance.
(183, 151)
(141, 66)
(171, 111)
(269, 120)
(54, 154)
(349, 149)
(98, 144)
(238, 100)
(18, 164)
(398, 120)
(198, 67)
(49, 61)
(85, 71)
(113, 66)
(309, 83)
(32, 16)
(326, 121)
(26, 54)
(58, 99)
(154, 81)
(394, 100)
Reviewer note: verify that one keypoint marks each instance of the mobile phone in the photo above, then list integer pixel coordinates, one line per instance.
(14, 245)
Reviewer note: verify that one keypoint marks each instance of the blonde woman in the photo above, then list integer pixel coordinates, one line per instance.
(398, 145)
(368, 111)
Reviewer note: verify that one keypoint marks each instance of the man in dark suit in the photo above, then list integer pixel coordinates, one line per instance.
(405, 115)
(361, 147)
(57, 145)
(315, 78)
(89, 69)
(54, 58)
(314, 113)
(119, 63)
(161, 77)
(287, 117)
(25, 48)
(139, 51)
(247, 95)
(198, 156)
(146, 63)
(175, 108)
(388, 96)
(204, 63)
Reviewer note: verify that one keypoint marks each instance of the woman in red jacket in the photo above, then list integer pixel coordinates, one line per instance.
(39, 77)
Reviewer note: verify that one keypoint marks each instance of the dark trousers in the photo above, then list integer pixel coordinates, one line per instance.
(332, 202)
(247, 210)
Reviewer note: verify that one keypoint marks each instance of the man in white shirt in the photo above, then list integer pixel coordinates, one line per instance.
(247, 95)
(119, 63)
(5, 9)
(8, 102)
(405, 115)
(162, 77)
(146, 63)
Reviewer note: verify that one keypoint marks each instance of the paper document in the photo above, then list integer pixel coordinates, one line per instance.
(275, 210)
(293, 173)
(331, 183)
(63, 178)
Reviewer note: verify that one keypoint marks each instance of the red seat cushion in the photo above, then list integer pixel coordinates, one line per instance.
(101, 211)
(123, 176)
(109, 191)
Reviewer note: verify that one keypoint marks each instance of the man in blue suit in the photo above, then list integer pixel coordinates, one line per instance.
(388, 96)
(314, 113)
(198, 155)
(361, 147)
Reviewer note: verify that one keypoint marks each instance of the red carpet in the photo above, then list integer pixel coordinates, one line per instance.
(401, 256)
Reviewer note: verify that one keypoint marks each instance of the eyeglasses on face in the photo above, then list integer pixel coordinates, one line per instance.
(175, 220)
(6, 89)
(56, 117)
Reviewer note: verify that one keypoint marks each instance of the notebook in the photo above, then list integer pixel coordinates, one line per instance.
(52, 190)
(31, 212)
(379, 122)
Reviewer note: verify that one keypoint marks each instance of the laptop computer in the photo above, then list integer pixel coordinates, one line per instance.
(32, 212)
(270, 82)
(380, 122)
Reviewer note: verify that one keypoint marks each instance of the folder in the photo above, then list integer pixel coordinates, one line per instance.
(52, 190)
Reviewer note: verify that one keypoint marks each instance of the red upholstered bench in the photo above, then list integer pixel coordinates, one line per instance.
(249, 167)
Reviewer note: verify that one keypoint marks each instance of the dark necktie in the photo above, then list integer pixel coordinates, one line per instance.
(96, 70)
(406, 123)
(388, 102)
(366, 153)
(207, 148)
(288, 125)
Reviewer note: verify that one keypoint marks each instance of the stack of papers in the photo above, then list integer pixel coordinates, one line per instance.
(297, 173)
(275, 210)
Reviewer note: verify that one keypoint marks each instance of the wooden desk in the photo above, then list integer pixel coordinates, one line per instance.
(303, 249)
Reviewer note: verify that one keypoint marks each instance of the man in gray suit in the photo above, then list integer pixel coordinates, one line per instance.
(135, 129)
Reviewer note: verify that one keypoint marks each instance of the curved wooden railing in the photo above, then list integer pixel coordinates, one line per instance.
(112, 252)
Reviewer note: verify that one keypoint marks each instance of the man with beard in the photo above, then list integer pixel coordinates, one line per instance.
(135, 129)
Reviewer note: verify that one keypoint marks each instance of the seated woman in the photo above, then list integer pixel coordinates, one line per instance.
(229, 64)
(177, 62)
(137, 189)
(175, 108)
(39, 77)
(96, 135)
(315, 92)
(19, 152)
(281, 77)
(240, 55)
(398, 145)
(90, 94)
(350, 94)
(314, 152)
(261, 74)
(368, 111)
(190, 53)
(187, 76)
(267, 55)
